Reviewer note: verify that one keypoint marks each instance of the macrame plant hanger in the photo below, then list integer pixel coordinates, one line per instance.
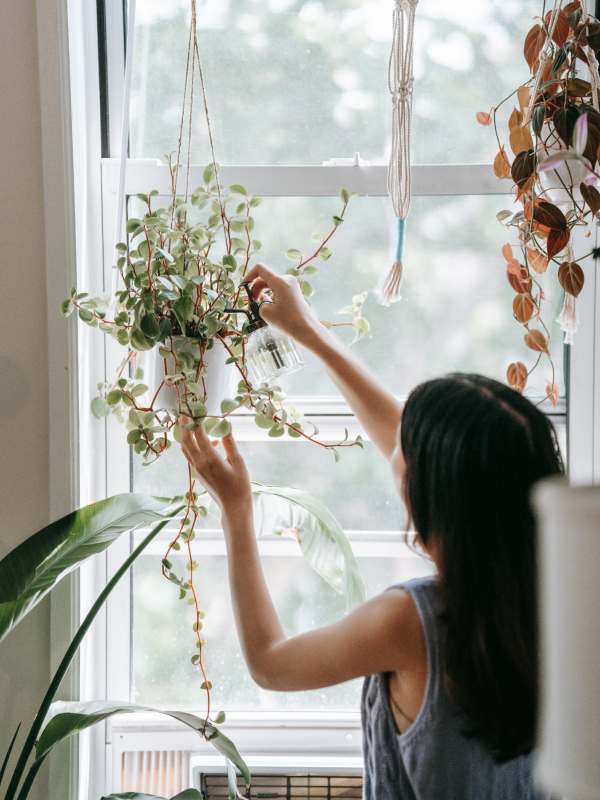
(193, 64)
(400, 79)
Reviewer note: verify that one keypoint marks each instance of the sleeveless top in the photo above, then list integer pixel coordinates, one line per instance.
(432, 760)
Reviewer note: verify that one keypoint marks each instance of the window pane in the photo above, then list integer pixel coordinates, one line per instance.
(359, 490)
(302, 81)
(455, 312)
(163, 640)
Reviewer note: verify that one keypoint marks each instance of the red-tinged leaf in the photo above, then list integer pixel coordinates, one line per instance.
(514, 268)
(562, 28)
(591, 195)
(593, 35)
(557, 241)
(571, 8)
(534, 41)
(577, 87)
(523, 308)
(520, 283)
(552, 393)
(537, 261)
(483, 118)
(537, 341)
(517, 375)
(502, 165)
(523, 167)
(571, 277)
(523, 95)
(507, 252)
(515, 120)
(520, 139)
(550, 216)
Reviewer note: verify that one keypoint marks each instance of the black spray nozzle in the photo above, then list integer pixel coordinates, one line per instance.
(255, 321)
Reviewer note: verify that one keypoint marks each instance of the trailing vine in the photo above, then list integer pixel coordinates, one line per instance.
(554, 136)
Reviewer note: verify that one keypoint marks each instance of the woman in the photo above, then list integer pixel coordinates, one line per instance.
(450, 662)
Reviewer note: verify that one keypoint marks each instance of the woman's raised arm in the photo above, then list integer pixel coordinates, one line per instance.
(376, 408)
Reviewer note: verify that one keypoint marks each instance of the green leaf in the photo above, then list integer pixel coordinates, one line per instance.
(324, 544)
(113, 397)
(150, 326)
(223, 428)
(276, 431)
(33, 568)
(209, 173)
(294, 254)
(85, 315)
(134, 436)
(184, 310)
(11, 745)
(263, 421)
(68, 719)
(345, 195)
(139, 340)
(227, 406)
(237, 189)
(325, 253)
(66, 308)
(133, 224)
(100, 407)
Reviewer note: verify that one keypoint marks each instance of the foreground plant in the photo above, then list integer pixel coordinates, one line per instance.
(554, 136)
(34, 568)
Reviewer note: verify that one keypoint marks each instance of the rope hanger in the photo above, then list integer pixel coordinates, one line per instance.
(400, 81)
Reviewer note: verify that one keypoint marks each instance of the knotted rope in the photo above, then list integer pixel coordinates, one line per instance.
(400, 81)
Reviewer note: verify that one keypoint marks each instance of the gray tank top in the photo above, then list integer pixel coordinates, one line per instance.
(432, 760)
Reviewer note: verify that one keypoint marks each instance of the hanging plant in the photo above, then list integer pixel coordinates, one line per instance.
(553, 135)
(189, 326)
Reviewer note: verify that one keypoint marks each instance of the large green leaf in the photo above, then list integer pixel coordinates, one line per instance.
(70, 718)
(33, 568)
(324, 544)
(189, 794)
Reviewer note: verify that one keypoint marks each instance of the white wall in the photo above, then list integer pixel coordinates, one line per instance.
(24, 433)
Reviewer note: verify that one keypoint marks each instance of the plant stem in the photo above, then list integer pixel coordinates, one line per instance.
(66, 663)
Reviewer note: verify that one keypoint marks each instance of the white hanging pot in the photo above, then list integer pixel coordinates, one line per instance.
(570, 173)
(218, 378)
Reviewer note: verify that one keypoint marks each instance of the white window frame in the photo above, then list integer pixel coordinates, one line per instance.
(73, 159)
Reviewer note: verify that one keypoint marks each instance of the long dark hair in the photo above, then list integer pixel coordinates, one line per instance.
(473, 449)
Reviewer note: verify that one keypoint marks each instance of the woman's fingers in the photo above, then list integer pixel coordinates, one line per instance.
(269, 279)
(231, 449)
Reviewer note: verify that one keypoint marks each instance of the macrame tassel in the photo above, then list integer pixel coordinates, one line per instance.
(390, 288)
(568, 319)
(400, 79)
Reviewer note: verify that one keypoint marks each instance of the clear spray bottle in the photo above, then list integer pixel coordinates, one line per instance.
(270, 354)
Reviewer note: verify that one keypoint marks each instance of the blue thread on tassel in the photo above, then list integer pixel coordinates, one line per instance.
(400, 240)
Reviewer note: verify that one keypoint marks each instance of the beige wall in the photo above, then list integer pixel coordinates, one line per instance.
(24, 478)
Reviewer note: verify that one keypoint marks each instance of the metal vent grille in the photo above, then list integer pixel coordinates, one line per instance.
(287, 787)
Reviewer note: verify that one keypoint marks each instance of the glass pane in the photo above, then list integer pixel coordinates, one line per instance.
(455, 312)
(164, 675)
(359, 490)
(302, 81)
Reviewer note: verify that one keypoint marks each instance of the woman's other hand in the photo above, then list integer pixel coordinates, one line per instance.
(225, 478)
(284, 306)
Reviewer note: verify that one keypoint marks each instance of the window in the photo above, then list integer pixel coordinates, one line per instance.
(295, 87)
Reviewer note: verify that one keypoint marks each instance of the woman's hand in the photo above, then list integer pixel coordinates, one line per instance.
(225, 478)
(284, 306)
